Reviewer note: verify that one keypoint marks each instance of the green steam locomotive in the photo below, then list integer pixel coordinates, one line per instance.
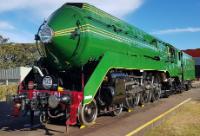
(94, 63)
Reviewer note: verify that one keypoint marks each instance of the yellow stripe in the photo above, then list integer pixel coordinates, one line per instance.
(101, 13)
(69, 29)
(157, 118)
(104, 31)
(103, 34)
(115, 36)
(64, 30)
(107, 33)
(62, 34)
(96, 32)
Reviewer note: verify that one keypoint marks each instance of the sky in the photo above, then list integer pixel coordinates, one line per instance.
(174, 21)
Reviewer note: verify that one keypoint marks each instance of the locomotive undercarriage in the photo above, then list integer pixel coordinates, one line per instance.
(120, 90)
(125, 90)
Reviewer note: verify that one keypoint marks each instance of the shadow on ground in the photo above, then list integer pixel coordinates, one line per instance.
(9, 123)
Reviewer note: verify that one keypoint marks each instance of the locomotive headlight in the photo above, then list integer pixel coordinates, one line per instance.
(45, 34)
(47, 82)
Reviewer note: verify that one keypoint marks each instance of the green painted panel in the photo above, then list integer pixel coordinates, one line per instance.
(84, 33)
(119, 61)
(99, 33)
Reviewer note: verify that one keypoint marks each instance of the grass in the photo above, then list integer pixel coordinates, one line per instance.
(185, 121)
(6, 90)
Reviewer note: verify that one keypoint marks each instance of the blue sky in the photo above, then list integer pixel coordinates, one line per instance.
(173, 21)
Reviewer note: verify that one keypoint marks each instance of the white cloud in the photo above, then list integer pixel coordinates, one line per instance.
(18, 36)
(43, 8)
(118, 8)
(177, 30)
(10, 31)
(40, 9)
(5, 25)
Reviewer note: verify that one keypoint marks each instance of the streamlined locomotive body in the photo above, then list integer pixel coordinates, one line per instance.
(95, 63)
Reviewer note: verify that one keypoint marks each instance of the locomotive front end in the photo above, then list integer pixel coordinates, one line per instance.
(53, 87)
(50, 101)
(61, 37)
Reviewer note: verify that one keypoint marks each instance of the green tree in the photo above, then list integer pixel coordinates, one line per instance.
(3, 40)
(17, 55)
